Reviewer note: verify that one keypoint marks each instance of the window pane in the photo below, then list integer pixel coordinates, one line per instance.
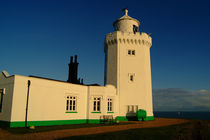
(133, 52)
(94, 105)
(74, 108)
(70, 107)
(131, 77)
(108, 106)
(98, 107)
(70, 102)
(67, 105)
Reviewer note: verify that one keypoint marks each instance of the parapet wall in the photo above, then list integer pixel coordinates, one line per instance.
(128, 38)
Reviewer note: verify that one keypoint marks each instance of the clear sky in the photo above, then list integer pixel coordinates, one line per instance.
(37, 37)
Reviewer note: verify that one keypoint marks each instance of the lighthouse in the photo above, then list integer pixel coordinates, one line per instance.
(128, 67)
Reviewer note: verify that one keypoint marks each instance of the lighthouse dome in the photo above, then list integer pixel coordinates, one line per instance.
(126, 24)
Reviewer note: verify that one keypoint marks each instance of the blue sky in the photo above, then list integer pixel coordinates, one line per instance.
(38, 37)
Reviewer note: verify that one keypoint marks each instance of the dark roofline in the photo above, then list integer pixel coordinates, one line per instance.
(93, 84)
(54, 80)
(62, 81)
(47, 79)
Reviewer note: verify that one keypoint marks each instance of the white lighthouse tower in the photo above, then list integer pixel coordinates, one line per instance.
(127, 67)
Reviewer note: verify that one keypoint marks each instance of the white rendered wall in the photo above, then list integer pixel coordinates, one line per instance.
(7, 83)
(138, 92)
(111, 62)
(104, 93)
(47, 100)
(126, 25)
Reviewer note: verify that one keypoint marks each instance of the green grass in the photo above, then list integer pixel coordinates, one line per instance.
(193, 130)
(162, 133)
(23, 130)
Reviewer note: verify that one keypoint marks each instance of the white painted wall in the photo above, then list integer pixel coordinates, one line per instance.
(120, 65)
(104, 93)
(47, 99)
(6, 82)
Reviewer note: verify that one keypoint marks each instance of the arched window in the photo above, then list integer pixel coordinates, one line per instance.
(135, 29)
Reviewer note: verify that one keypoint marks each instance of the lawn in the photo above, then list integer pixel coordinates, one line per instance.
(190, 130)
(193, 130)
(23, 130)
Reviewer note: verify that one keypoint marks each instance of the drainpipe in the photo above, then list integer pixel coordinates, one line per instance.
(26, 117)
(88, 94)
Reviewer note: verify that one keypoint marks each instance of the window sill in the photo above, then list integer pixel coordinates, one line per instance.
(71, 112)
(95, 112)
(110, 112)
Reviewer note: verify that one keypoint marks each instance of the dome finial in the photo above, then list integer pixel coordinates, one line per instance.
(125, 10)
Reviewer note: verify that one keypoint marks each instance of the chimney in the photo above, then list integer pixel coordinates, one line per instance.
(75, 59)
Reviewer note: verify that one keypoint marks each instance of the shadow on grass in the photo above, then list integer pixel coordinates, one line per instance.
(162, 133)
(23, 130)
(193, 130)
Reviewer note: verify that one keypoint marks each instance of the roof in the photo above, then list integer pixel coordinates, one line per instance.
(47, 78)
(5, 73)
(61, 81)
(126, 17)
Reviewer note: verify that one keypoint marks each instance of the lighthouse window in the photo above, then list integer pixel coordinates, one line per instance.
(132, 108)
(135, 29)
(131, 77)
(131, 52)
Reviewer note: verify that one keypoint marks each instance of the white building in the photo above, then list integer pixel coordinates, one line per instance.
(40, 101)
